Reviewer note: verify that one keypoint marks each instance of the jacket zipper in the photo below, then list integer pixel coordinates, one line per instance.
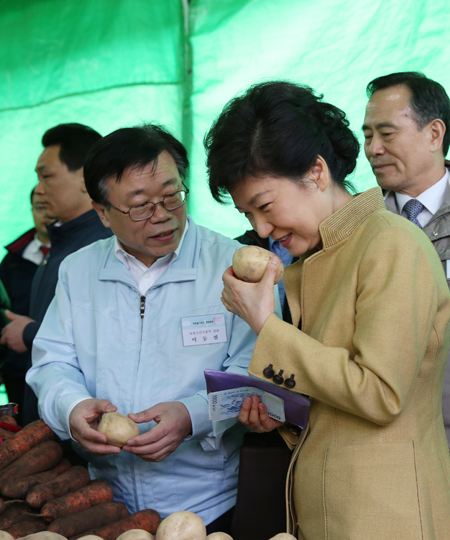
(141, 313)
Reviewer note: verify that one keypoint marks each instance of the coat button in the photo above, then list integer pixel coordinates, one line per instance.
(278, 379)
(269, 372)
(290, 383)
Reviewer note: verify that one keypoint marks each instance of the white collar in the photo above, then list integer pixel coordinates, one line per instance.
(126, 257)
(432, 198)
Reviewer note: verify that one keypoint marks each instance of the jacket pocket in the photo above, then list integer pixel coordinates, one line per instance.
(371, 492)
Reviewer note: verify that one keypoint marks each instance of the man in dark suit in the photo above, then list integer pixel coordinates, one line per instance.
(407, 136)
(17, 271)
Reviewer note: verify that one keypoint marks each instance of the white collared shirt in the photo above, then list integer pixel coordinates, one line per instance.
(33, 251)
(143, 275)
(432, 199)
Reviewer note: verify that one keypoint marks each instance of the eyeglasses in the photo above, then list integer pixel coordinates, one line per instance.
(145, 211)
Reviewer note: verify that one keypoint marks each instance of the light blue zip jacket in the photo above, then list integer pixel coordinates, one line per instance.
(93, 342)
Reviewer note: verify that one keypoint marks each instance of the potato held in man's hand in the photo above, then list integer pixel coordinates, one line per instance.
(118, 428)
(250, 262)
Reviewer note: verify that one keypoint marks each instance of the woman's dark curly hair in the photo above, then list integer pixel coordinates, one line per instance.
(278, 129)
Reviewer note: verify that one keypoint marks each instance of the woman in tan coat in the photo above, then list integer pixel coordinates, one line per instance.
(370, 308)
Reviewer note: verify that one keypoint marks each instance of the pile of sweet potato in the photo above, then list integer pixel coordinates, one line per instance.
(41, 491)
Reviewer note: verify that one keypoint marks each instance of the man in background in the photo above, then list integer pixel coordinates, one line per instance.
(65, 199)
(17, 270)
(407, 135)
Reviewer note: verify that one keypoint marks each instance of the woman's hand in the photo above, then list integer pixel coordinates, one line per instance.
(253, 302)
(254, 416)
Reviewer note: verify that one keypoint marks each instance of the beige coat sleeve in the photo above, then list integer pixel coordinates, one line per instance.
(395, 312)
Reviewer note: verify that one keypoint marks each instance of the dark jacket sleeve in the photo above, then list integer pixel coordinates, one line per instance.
(4, 304)
(29, 333)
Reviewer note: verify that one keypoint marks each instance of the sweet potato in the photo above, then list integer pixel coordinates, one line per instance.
(40, 458)
(8, 420)
(31, 435)
(91, 518)
(5, 434)
(95, 493)
(147, 520)
(74, 478)
(24, 528)
(18, 488)
(10, 427)
(14, 513)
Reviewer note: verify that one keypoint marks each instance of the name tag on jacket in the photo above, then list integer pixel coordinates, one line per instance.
(203, 329)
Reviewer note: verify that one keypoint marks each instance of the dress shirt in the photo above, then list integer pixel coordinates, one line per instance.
(143, 275)
(432, 199)
(33, 251)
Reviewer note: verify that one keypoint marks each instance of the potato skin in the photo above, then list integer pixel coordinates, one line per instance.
(45, 535)
(250, 262)
(90, 537)
(136, 534)
(118, 428)
(182, 525)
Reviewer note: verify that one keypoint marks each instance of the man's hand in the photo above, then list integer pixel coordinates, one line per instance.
(12, 334)
(84, 420)
(174, 425)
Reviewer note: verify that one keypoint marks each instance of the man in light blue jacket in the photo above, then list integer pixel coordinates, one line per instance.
(136, 320)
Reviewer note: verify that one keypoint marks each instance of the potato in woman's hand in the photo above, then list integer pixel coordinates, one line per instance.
(118, 428)
(250, 262)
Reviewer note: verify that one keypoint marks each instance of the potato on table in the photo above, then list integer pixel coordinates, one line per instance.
(181, 526)
(136, 534)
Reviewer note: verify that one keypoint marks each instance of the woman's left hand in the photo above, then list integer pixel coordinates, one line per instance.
(254, 415)
(253, 302)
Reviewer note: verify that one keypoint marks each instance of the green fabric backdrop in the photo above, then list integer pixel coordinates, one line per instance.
(115, 63)
(336, 47)
(105, 63)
